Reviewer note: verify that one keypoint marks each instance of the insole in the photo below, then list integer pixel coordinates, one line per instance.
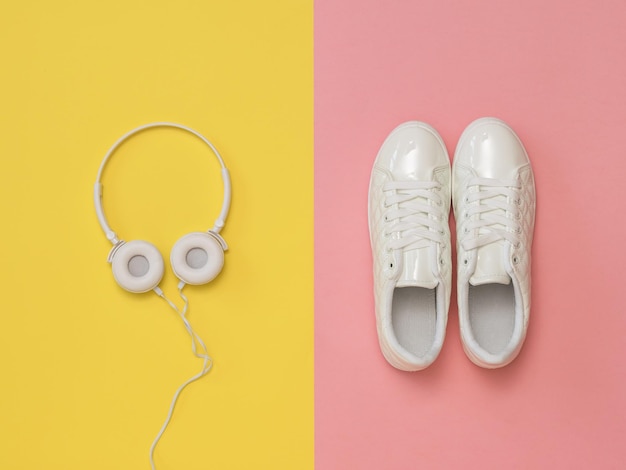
(414, 318)
(492, 315)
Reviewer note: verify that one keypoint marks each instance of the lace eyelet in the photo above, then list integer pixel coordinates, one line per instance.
(442, 261)
(466, 215)
(466, 230)
(518, 245)
(465, 261)
(518, 230)
(442, 231)
(466, 200)
(515, 260)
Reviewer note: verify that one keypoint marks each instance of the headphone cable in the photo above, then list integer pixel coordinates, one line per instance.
(200, 351)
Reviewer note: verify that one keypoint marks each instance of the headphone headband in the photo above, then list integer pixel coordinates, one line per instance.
(97, 194)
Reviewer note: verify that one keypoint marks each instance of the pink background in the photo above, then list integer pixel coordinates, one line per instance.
(556, 72)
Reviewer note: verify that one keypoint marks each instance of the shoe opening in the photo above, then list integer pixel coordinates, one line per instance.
(492, 315)
(414, 318)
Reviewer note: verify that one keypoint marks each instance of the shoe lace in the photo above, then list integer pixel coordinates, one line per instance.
(414, 215)
(495, 217)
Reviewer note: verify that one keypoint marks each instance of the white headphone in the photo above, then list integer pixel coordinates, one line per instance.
(196, 258)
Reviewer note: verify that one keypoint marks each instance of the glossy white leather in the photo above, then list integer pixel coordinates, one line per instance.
(413, 151)
(489, 148)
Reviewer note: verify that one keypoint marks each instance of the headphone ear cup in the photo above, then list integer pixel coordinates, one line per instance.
(198, 257)
(137, 266)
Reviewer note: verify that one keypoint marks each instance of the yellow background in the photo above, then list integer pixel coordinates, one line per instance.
(88, 369)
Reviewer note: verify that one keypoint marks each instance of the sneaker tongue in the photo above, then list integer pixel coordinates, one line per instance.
(490, 258)
(416, 271)
(412, 165)
(490, 266)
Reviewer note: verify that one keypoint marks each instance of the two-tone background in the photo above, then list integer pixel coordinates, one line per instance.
(298, 96)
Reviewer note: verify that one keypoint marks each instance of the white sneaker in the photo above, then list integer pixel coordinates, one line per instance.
(409, 205)
(494, 208)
